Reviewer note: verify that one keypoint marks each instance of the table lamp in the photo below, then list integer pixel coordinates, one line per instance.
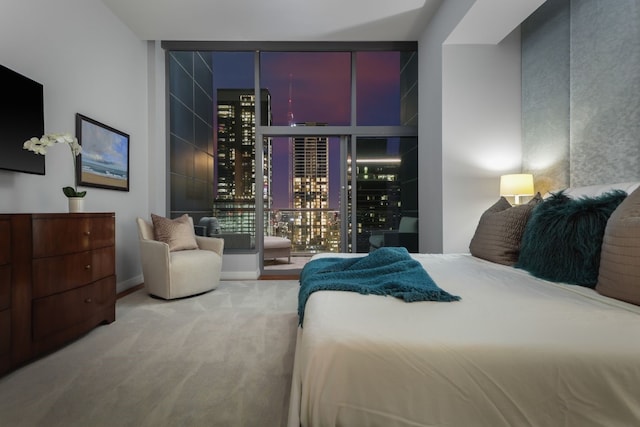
(516, 185)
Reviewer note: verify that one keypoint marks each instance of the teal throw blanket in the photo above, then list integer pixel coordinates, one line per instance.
(386, 271)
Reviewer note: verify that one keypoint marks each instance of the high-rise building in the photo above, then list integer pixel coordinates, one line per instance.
(310, 189)
(379, 205)
(310, 171)
(235, 192)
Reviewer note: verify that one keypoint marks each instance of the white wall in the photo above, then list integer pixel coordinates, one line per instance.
(158, 147)
(469, 128)
(481, 132)
(90, 63)
(430, 153)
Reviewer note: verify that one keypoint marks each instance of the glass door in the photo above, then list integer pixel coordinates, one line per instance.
(302, 198)
(338, 194)
(382, 196)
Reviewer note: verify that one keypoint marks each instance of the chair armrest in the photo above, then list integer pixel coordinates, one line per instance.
(154, 250)
(155, 265)
(211, 244)
(376, 240)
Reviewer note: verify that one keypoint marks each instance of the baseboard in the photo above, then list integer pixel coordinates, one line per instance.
(129, 283)
(130, 290)
(280, 277)
(239, 275)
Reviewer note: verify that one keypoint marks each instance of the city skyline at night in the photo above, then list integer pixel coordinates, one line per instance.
(315, 87)
(214, 157)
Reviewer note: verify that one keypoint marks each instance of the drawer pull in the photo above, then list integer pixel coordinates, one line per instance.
(88, 301)
(87, 267)
(87, 233)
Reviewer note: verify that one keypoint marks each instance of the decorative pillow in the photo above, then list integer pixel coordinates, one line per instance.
(563, 237)
(177, 233)
(211, 224)
(499, 232)
(619, 275)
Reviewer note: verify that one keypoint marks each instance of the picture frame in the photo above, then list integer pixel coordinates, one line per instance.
(104, 160)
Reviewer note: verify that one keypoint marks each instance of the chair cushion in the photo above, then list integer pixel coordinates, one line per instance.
(408, 224)
(274, 242)
(177, 233)
(619, 275)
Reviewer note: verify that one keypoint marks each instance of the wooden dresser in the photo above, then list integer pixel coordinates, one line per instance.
(57, 281)
(5, 293)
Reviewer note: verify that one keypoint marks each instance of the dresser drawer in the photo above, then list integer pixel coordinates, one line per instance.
(5, 286)
(59, 236)
(57, 274)
(63, 311)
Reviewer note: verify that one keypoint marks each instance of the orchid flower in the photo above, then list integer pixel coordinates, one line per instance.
(40, 145)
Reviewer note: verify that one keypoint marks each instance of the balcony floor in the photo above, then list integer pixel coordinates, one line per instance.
(280, 264)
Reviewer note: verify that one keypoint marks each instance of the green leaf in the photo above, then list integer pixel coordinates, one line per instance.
(71, 192)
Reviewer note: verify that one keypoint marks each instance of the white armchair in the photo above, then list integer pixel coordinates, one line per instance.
(175, 274)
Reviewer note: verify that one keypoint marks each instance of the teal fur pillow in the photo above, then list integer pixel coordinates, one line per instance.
(563, 237)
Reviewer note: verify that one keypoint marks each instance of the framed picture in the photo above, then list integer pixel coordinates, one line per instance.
(104, 161)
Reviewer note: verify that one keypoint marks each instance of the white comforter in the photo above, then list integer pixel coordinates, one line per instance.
(515, 351)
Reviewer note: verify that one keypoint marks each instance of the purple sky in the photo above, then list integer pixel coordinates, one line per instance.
(320, 83)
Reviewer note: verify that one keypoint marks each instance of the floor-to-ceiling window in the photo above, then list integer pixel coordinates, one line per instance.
(191, 133)
(289, 173)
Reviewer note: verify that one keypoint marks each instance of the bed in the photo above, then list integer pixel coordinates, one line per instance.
(516, 350)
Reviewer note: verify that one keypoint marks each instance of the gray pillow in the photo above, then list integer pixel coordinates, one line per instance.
(619, 274)
(499, 232)
(211, 224)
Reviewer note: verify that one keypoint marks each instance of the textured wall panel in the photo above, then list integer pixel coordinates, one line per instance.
(581, 93)
(545, 95)
(605, 91)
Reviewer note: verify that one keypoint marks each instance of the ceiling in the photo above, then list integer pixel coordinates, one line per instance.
(275, 20)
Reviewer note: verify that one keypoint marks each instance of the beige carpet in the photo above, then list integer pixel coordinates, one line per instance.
(219, 359)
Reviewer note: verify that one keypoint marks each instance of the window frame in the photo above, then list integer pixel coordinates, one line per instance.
(352, 131)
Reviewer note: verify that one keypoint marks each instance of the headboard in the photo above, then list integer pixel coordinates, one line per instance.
(596, 190)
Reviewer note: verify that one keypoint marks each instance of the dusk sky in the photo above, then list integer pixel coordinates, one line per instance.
(320, 84)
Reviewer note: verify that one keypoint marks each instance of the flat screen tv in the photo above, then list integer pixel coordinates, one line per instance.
(21, 117)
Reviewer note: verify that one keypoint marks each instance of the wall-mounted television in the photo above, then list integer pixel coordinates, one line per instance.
(21, 117)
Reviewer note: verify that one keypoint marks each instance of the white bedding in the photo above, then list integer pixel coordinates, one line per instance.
(515, 351)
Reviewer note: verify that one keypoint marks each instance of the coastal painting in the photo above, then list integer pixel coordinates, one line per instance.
(104, 161)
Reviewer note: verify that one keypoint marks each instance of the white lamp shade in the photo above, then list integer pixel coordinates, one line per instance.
(518, 184)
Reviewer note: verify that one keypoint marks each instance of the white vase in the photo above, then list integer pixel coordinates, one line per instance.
(76, 204)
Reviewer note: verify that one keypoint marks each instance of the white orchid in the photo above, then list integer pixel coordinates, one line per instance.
(40, 145)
